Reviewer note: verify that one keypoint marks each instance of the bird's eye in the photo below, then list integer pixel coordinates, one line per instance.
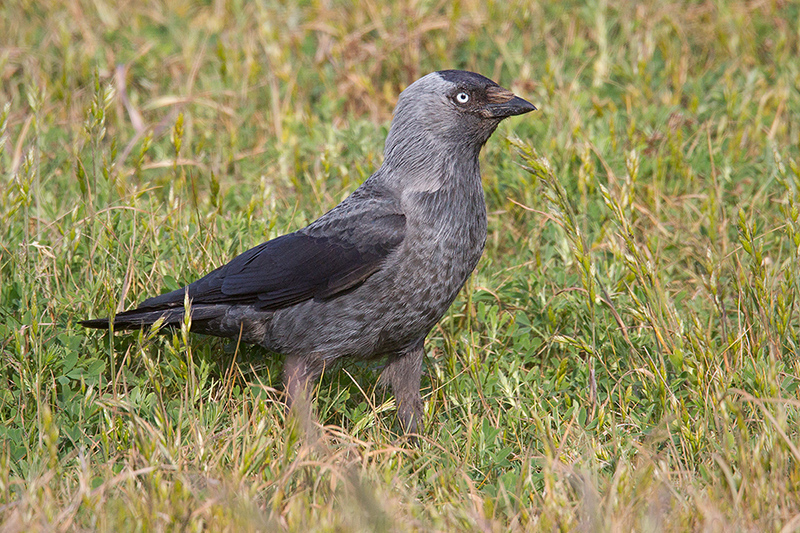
(462, 98)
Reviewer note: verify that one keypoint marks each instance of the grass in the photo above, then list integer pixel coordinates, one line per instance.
(625, 357)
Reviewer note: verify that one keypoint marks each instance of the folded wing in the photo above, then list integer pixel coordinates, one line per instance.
(295, 267)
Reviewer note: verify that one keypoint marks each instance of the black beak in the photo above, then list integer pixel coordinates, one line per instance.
(514, 106)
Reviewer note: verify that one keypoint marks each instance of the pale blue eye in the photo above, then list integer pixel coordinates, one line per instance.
(462, 98)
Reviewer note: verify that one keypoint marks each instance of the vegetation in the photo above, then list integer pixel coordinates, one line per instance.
(625, 357)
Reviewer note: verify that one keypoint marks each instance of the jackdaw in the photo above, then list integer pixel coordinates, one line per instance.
(372, 276)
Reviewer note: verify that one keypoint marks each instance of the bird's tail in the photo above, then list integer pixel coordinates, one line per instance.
(138, 319)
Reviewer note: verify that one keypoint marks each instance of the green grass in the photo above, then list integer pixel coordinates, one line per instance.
(625, 357)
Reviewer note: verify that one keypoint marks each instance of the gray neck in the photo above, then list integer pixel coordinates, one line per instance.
(426, 162)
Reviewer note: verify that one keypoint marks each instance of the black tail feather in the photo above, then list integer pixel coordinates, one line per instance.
(95, 323)
(143, 318)
(137, 319)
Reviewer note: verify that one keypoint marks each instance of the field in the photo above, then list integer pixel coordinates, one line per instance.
(626, 357)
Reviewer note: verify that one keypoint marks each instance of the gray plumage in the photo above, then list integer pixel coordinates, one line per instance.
(372, 276)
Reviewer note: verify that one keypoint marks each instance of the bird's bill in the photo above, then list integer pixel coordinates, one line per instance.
(509, 108)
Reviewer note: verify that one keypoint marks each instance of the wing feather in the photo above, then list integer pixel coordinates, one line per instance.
(297, 267)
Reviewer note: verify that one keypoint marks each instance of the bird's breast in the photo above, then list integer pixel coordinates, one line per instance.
(445, 238)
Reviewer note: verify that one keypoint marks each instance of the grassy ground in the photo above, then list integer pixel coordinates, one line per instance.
(625, 357)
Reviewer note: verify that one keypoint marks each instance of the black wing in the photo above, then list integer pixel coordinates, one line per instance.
(295, 267)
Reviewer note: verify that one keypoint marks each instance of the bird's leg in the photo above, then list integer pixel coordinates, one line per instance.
(299, 374)
(403, 372)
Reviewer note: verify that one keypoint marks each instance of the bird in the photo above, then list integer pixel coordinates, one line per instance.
(371, 277)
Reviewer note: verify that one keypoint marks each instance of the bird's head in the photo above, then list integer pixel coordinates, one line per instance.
(450, 110)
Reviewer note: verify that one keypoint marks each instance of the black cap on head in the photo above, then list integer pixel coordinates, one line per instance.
(464, 77)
